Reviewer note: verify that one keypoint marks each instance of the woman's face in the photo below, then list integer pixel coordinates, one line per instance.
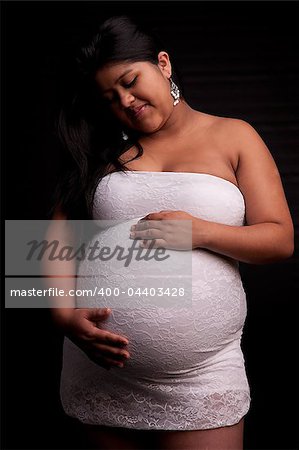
(138, 93)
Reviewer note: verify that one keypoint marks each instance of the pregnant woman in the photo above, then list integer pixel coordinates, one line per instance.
(157, 376)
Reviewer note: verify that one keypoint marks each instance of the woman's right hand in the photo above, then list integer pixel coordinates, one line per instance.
(101, 346)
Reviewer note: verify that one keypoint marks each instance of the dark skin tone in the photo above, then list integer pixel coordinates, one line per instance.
(138, 94)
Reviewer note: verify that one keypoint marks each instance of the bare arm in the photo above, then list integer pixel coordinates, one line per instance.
(59, 273)
(268, 234)
(81, 325)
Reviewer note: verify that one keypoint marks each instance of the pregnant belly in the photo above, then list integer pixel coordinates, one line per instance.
(171, 340)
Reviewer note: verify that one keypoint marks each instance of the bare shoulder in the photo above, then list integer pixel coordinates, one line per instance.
(250, 147)
(240, 139)
(241, 135)
(231, 128)
(225, 136)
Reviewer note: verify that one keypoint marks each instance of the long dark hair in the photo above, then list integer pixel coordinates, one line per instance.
(91, 136)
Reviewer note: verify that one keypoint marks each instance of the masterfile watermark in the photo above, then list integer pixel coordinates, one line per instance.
(57, 251)
(98, 261)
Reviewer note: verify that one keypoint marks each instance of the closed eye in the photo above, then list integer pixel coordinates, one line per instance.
(114, 98)
(128, 85)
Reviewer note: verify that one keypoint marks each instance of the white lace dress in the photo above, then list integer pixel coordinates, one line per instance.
(186, 370)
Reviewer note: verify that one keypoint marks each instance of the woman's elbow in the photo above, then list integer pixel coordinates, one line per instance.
(282, 247)
(287, 246)
(289, 249)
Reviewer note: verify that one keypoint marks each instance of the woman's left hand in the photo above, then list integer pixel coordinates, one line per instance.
(166, 229)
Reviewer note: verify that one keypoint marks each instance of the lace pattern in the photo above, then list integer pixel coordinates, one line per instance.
(186, 369)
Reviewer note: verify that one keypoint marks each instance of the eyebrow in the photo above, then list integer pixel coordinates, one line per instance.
(125, 73)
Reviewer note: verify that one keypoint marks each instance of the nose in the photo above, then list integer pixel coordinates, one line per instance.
(126, 99)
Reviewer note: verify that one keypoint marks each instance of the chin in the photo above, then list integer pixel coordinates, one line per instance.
(152, 127)
(147, 130)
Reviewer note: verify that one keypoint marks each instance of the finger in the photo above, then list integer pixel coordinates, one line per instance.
(110, 339)
(96, 314)
(112, 352)
(105, 361)
(151, 216)
(99, 361)
(148, 234)
(153, 243)
(147, 224)
(113, 362)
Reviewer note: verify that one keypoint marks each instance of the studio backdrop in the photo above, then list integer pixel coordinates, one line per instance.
(236, 59)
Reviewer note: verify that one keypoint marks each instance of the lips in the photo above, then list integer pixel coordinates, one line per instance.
(137, 111)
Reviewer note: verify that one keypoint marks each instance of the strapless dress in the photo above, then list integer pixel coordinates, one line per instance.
(187, 369)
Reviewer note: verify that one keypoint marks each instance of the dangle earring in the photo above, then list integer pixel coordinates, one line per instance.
(175, 92)
(124, 136)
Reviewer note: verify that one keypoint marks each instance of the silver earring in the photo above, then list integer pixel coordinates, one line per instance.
(175, 92)
(124, 136)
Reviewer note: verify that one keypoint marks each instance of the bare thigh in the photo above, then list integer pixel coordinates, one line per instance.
(114, 438)
(117, 438)
(224, 438)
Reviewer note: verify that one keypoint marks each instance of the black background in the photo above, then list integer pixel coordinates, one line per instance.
(237, 59)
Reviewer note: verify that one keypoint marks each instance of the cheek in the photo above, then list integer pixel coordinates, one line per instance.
(165, 100)
(164, 107)
(161, 93)
(161, 106)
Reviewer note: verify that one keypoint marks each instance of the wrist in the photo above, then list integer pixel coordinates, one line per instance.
(61, 317)
(200, 233)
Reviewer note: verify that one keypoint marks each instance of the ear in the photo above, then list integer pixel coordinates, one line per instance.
(164, 64)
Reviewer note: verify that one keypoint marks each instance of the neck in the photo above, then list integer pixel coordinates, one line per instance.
(179, 123)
